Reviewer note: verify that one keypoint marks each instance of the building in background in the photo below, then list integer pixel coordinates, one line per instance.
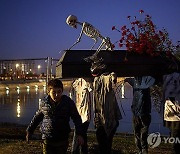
(27, 68)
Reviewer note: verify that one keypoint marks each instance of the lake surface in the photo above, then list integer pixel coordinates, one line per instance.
(19, 105)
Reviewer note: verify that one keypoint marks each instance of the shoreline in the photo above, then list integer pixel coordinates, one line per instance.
(23, 84)
(31, 83)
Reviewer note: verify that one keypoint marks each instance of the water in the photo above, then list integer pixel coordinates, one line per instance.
(19, 105)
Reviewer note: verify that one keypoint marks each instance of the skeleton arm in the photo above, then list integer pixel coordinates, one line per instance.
(79, 38)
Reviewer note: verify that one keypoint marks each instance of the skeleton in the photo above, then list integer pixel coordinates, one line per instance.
(91, 32)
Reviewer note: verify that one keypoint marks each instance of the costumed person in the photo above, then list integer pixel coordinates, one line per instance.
(81, 90)
(54, 114)
(106, 110)
(171, 88)
(141, 109)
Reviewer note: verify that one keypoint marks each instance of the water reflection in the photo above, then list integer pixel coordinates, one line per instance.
(18, 108)
(18, 89)
(39, 102)
(28, 89)
(36, 88)
(18, 105)
(44, 89)
(7, 91)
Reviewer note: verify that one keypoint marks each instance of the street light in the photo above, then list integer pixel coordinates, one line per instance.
(39, 66)
(17, 65)
(17, 73)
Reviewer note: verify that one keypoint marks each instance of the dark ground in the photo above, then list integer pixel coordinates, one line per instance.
(12, 141)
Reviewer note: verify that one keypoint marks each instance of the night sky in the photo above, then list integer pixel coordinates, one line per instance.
(37, 28)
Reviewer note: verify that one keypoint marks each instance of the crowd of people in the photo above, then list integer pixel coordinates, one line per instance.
(56, 110)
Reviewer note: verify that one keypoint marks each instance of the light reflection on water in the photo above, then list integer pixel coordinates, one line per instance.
(18, 108)
(20, 104)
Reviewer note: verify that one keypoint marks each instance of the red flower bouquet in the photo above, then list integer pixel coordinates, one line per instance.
(143, 37)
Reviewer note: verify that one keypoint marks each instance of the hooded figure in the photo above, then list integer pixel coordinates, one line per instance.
(106, 110)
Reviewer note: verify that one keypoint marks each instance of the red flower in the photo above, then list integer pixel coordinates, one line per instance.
(143, 37)
(120, 45)
(141, 11)
(113, 28)
(129, 17)
(124, 33)
(123, 27)
(151, 23)
(127, 44)
(160, 33)
(133, 28)
(121, 41)
(122, 38)
(130, 36)
(137, 22)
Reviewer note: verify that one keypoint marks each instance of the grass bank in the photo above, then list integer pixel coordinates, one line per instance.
(12, 141)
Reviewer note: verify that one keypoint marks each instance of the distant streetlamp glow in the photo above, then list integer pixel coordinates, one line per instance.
(23, 67)
(17, 65)
(39, 66)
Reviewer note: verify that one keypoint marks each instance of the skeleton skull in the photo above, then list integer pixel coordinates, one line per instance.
(72, 21)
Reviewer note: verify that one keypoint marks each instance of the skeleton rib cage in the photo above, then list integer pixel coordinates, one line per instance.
(91, 32)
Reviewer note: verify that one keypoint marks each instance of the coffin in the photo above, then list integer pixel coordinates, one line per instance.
(72, 64)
